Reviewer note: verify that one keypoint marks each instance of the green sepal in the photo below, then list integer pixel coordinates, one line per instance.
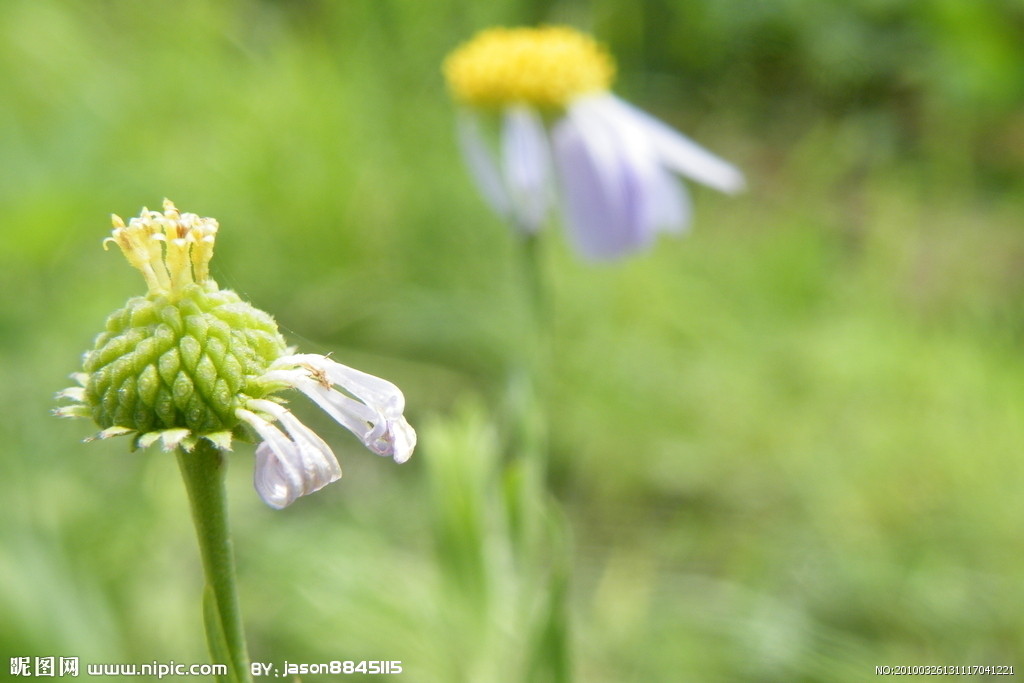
(221, 440)
(148, 439)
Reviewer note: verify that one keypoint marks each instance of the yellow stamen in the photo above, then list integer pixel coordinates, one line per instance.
(545, 67)
(172, 249)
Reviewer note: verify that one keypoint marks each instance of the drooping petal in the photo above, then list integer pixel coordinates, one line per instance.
(661, 200)
(274, 478)
(401, 440)
(379, 394)
(679, 152)
(277, 477)
(527, 158)
(482, 165)
(349, 413)
(374, 414)
(603, 183)
(316, 462)
(590, 212)
(670, 203)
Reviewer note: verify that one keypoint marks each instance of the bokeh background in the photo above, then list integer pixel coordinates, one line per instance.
(788, 445)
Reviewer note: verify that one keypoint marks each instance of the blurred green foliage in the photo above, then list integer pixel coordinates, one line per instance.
(788, 446)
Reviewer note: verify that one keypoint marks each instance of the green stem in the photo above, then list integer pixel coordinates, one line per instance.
(203, 471)
(525, 422)
(542, 531)
(533, 272)
(528, 381)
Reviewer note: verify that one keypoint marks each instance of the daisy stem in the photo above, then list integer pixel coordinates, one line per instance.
(534, 273)
(204, 470)
(530, 423)
(544, 535)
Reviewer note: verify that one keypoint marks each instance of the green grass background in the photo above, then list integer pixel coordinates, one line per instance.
(788, 445)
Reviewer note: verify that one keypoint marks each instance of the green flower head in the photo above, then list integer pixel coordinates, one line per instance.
(192, 361)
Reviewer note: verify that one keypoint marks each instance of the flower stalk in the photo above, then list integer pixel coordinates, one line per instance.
(537, 524)
(203, 470)
(195, 367)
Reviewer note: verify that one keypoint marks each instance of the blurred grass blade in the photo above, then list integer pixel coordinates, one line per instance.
(217, 643)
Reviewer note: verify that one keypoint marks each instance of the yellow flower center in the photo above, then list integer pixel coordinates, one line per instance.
(545, 67)
(171, 249)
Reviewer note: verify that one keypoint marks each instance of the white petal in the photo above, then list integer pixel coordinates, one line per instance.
(661, 200)
(482, 165)
(317, 465)
(527, 157)
(376, 417)
(346, 411)
(274, 478)
(277, 440)
(379, 394)
(362, 420)
(679, 152)
(603, 186)
(402, 438)
(277, 477)
(670, 208)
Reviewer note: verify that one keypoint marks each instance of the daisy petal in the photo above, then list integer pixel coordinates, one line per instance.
(402, 439)
(660, 203)
(274, 478)
(368, 406)
(602, 187)
(670, 202)
(481, 163)
(527, 156)
(316, 462)
(379, 394)
(277, 477)
(679, 152)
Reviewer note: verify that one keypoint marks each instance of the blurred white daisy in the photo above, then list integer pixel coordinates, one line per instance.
(614, 163)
